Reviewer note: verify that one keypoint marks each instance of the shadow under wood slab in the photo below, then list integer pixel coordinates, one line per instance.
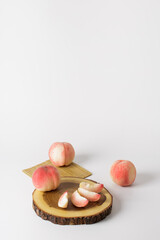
(45, 205)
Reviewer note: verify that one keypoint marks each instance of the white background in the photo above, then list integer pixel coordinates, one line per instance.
(85, 72)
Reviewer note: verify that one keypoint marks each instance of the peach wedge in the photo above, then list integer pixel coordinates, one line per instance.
(63, 200)
(91, 196)
(95, 187)
(78, 200)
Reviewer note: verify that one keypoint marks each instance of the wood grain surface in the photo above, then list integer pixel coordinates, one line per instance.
(73, 170)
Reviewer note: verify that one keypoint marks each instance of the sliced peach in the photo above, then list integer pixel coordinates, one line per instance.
(95, 187)
(63, 200)
(91, 196)
(78, 200)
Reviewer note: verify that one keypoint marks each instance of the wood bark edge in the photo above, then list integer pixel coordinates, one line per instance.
(73, 220)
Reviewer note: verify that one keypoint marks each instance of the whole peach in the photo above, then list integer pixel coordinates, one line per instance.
(123, 172)
(46, 178)
(61, 153)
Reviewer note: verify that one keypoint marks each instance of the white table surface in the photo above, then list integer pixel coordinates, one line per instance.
(85, 72)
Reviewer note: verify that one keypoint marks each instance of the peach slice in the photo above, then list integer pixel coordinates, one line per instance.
(63, 200)
(95, 187)
(78, 200)
(91, 196)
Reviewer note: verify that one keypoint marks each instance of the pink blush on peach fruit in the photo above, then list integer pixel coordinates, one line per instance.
(123, 172)
(61, 154)
(46, 178)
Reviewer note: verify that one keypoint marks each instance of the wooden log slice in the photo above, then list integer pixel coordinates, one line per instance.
(45, 205)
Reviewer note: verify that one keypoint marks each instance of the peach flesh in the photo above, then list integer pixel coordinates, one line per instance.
(95, 187)
(46, 178)
(123, 172)
(91, 196)
(61, 154)
(63, 200)
(78, 200)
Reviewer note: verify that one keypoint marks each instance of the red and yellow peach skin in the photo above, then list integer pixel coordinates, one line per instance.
(61, 154)
(46, 178)
(123, 172)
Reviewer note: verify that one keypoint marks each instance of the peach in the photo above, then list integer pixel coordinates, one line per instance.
(78, 200)
(95, 187)
(123, 172)
(91, 196)
(61, 154)
(46, 178)
(63, 200)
